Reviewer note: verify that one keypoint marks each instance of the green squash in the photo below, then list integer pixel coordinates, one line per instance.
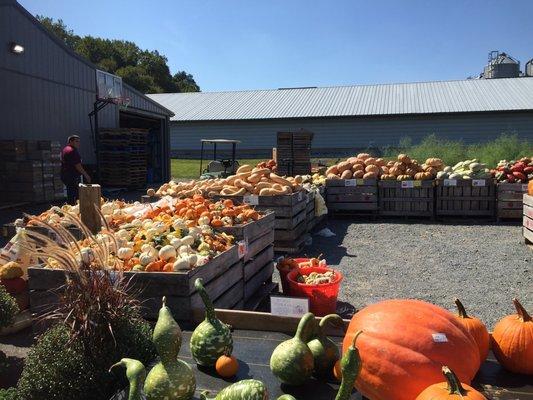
(249, 389)
(212, 338)
(292, 361)
(136, 374)
(170, 379)
(350, 368)
(325, 351)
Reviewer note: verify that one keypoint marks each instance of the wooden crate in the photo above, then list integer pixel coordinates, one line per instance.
(257, 272)
(466, 197)
(310, 211)
(354, 195)
(222, 276)
(254, 236)
(406, 198)
(510, 200)
(528, 218)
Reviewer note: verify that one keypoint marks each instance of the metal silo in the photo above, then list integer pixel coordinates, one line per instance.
(501, 65)
(529, 68)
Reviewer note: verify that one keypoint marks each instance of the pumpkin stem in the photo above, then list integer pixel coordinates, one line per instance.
(521, 311)
(209, 308)
(461, 309)
(164, 301)
(355, 338)
(454, 385)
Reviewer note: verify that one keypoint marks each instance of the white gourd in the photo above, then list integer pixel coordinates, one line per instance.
(167, 252)
(125, 253)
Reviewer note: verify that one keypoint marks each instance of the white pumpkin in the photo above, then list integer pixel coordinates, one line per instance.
(136, 223)
(193, 260)
(203, 221)
(195, 232)
(147, 224)
(125, 253)
(181, 264)
(146, 258)
(179, 223)
(184, 249)
(167, 252)
(107, 208)
(176, 243)
(123, 234)
(86, 255)
(149, 249)
(187, 240)
(160, 227)
(202, 260)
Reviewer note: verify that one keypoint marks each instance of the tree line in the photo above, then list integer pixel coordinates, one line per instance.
(145, 70)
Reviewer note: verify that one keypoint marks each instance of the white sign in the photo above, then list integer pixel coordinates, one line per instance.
(478, 182)
(251, 199)
(350, 182)
(242, 248)
(289, 306)
(524, 187)
(300, 196)
(408, 184)
(439, 337)
(450, 182)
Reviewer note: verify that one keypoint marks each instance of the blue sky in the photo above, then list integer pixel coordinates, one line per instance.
(250, 44)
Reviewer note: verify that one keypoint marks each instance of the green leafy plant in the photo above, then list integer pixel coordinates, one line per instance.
(97, 322)
(8, 308)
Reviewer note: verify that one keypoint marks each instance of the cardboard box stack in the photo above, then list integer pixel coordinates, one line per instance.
(30, 171)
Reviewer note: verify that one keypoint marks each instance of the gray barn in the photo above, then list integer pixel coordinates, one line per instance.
(48, 91)
(353, 117)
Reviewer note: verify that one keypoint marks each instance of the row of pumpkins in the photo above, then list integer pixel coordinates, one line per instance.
(403, 348)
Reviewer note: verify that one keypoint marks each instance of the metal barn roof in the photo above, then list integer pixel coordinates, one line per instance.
(475, 95)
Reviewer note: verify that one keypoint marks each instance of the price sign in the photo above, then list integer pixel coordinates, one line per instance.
(524, 187)
(289, 306)
(350, 182)
(242, 248)
(411, 184)
(478, 182)
(439, 337)
(450, 182)
(360, 181)
(253, 200)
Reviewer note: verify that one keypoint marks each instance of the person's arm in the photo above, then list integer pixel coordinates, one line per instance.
(82, 171)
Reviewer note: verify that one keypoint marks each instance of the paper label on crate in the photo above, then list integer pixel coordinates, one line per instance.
(411, 184)
(242, 248)
(251, 199)
(289, 306)
(450, 182)
(350, 182)
(439, 337)
(300, 196)
(524, 187)
(478, 182)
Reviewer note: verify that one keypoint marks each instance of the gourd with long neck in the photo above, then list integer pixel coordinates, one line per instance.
(249, 389)
(136, 374)
(350, 367)
(212, 338)
(292, 361)
(170, 379)
(325, 351)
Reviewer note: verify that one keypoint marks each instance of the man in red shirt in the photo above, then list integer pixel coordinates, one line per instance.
(71, 168)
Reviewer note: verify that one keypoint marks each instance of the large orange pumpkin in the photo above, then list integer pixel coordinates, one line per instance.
(512, 341)
(405, 345)
(476, 328)
(451, 389)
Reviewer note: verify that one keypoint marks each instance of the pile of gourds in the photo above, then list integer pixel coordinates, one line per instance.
(468, 169)
(316, 278)
(405, 169)
(520, 171)
(248, 180)
(363, 166)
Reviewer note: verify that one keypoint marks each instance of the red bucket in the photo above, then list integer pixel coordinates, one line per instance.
(323, 297)
(283, 276)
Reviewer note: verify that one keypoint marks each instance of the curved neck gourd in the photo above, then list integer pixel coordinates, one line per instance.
(136, 374)
(209, 308)
(350, 367)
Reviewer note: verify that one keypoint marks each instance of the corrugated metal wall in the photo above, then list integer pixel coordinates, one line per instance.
(347, 133)
(47, 93)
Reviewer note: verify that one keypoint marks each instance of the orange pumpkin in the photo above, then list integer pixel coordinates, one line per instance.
(451, 389)
(476, 328)
(409, 338)
(227, 366)
(512, 341)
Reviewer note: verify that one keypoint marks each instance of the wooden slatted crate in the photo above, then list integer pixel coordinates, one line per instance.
(352, 195)
(466, 197)
(222, 276)
(310, 211)
(406, 198)
(510, 200)
(527, 219)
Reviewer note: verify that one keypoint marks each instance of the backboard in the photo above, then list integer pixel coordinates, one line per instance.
(108, 86)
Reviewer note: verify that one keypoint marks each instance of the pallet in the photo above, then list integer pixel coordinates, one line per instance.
(222, 276)
(466, 197)
(406, 198)
(357, 195)
(527, 220)
(509, 200)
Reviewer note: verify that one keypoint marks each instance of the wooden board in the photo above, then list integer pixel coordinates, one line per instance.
(292, 247)
(510, 200)
(290, 234)
(265, 201)
(527, 219)
(465, 199)
(256, 263)
(252, 230)
(291, 222)
(416, 201)
(254, 283)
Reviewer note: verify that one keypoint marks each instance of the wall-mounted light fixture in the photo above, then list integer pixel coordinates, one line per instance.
(16, 48)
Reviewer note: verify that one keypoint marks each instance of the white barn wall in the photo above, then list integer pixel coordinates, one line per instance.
(352, 133)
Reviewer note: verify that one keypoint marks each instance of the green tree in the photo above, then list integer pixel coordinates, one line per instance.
(145, 70)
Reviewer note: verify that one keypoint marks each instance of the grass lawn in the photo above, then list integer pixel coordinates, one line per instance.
(183, 168)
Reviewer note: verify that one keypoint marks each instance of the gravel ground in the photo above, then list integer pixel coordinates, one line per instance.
(483, 265)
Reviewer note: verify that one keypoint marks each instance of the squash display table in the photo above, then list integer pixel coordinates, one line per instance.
(253, 349)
